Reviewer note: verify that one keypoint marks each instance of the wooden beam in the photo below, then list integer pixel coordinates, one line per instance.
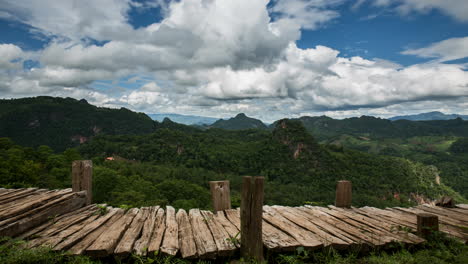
(82, 178)
(251, 218)
(427, 223)
(343, 194)
(220, 195)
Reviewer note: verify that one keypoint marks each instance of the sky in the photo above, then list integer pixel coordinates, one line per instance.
(267, 59)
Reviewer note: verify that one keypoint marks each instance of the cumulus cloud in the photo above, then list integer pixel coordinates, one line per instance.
(10, 56)
(217, 58)
(446, 50)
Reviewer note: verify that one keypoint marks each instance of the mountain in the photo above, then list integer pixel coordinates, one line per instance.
(184, 119)
(65, 122)
(429, 116)
(239, 122)
(324, 127)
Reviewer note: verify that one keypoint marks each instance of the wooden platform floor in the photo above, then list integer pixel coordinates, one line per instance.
(60, 220)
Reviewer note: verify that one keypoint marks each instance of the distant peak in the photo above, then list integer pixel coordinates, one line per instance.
(240, 115)
(167, 120)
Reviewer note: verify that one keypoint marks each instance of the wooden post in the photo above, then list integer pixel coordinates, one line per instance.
(427, 223)
(82, 178)
(220, 195)
(343, 194)
(251, 218)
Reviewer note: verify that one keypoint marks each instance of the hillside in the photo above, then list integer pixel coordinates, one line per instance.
(289, 157)
(324, 127)
(239, 122)
(65, 122)
(435, 115)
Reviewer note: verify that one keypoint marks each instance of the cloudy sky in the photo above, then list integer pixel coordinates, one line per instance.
(268, 59)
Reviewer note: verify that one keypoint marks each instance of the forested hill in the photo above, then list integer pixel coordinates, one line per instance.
(240, 121)
(65, 122)
(324, 127)
(297, 168)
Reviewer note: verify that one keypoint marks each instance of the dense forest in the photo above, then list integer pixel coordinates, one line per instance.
(171, 163)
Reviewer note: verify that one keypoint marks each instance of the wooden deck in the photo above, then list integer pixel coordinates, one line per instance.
(59, 219)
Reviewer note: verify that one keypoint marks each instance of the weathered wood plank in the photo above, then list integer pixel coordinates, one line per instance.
(380, 236)
(16, 193)
(231, 229)
(273, 238)
(20, 199)
(358, 235)
(462, 219)
(158, 233)
(306, 238)
(141, 245)
(42, 214)
(462, 206)
(30, 204)
(78, 242)
(220, 235)
(170, 243)
(443, 219)
(384, 227)
(125, 245)
(187, 246)
(206, 246)
(59, 226)
(34, 231)
(325, 238)
(328, 227)
(106, 243)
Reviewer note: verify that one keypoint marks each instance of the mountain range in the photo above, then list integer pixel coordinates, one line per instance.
(185, 119)
(435, 115)
(65, 122)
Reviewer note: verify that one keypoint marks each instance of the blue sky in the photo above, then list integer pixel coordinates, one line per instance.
(269, 59)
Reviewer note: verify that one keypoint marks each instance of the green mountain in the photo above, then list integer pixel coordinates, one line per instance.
(429, 116)
(324, 127)
(240, 121)
(65, 122)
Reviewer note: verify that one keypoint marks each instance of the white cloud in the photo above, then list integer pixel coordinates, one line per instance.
(217, 58)
(446, 50)
(458, 9)
(10, 56)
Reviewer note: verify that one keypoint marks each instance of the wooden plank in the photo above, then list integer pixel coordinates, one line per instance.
(38, 201)
(231, 229)
(59, 237)
(34, 231)
(326, 226)
(78, 242)
(170, 243)
(141, 245)
(20, 199)
(446, 228)
(443, 219)
(397, 219)
(206, 246)
(325, 238)
(16, 193)
(158, 233)
(360, 222)
(462, 206)
(306, 238)
(41, 214)
(444, 212)
(58, 227)
(273, 238)
(106, 243)
(357, 234)
(188, 249)
(220, 235)
(125, 246)
(383, 226)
